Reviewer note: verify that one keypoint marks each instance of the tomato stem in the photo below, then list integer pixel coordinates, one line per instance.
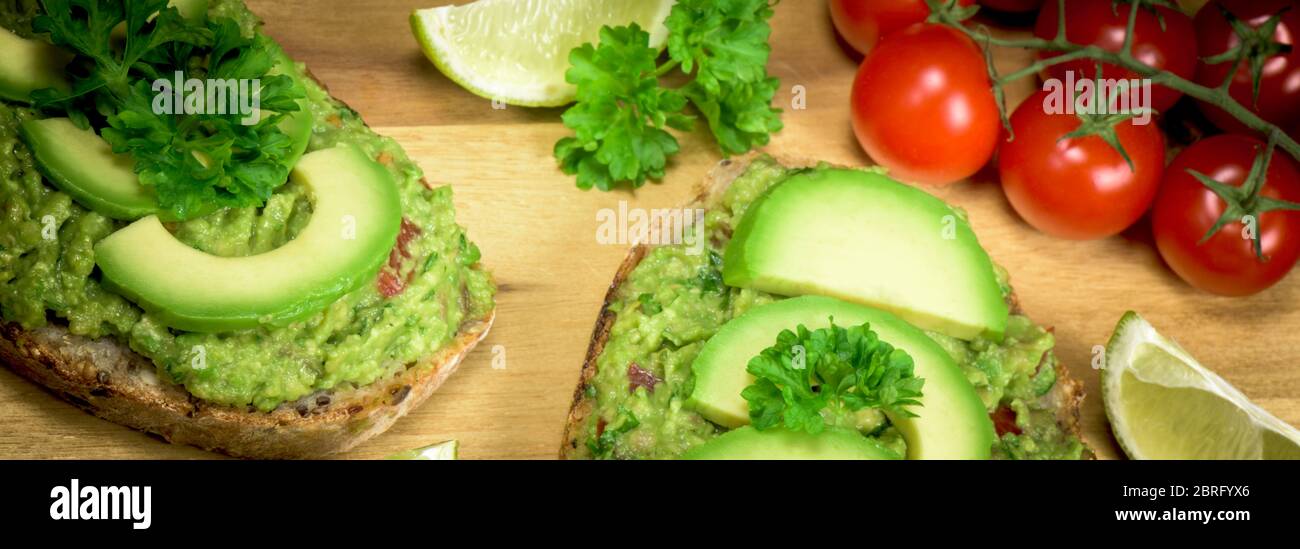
(1244, 203)
(943, 12)
(1255, 46)
(1127, 48)
(1102, 124)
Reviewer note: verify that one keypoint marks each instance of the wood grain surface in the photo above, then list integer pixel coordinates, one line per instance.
(537, 234)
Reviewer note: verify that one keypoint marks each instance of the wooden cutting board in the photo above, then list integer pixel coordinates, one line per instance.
(538, 235)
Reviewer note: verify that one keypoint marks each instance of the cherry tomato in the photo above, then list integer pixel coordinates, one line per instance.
(1013, 6)
(1078, 188)
(922, 105)
(1171, 47)
(863, 22)
(1279, 86)
(1186, 209)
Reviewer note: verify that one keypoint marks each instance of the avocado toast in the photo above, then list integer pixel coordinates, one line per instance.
(298, 326)
(640, 392)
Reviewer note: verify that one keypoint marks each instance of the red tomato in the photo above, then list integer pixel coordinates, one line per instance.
(1172, 48)
(1078, 188)
(1185, 210)
(863, 22)
(1013, 6)
(1279, 86)
(922, 106)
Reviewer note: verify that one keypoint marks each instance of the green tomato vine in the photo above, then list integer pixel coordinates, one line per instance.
(1255, 46)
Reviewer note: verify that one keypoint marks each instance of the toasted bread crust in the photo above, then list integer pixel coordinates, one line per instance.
(1066, 396)
(109, 380)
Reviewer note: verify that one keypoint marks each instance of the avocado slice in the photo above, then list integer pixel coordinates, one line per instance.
(748, 443)
(83, 165)
(863, 237)
(30, 65)
(296, 124)
(354, 224)
(952, 422)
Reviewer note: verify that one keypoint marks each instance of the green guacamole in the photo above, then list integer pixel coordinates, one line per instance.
(361, 338)
(674, 301)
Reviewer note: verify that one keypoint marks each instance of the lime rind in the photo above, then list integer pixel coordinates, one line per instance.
(1202, 416)
(530, 42)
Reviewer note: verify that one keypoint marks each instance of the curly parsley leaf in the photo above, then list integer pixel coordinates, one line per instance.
(811, 373)
(623, 111)
(194, 162)
(725, 39)
(741, 118)
(86, 27)
(726, 44)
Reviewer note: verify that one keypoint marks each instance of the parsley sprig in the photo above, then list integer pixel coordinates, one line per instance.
(623, 111)
(833, 369)
(194, 162)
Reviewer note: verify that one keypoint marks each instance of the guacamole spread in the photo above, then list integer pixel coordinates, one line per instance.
(675, 300)
(416, 304)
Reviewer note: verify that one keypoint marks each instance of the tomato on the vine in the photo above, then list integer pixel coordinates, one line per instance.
(1078, 187)
(862, 23)
(1163, 38)
(1186, 210)
(923, 107)
(1279, 84)
(1013, 6)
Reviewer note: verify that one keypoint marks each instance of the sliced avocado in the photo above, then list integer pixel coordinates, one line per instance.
(952, 422)
(354, 225)
(748, 443)
(83, 165)
(30, 65)
(297, 124)
(865, 238)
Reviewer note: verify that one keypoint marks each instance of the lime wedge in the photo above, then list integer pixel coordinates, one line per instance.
(517, 52)
(1162, 404)
(441, 451)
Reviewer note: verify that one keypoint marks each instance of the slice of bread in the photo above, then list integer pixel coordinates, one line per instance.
(1065, 398)
(109, 380)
